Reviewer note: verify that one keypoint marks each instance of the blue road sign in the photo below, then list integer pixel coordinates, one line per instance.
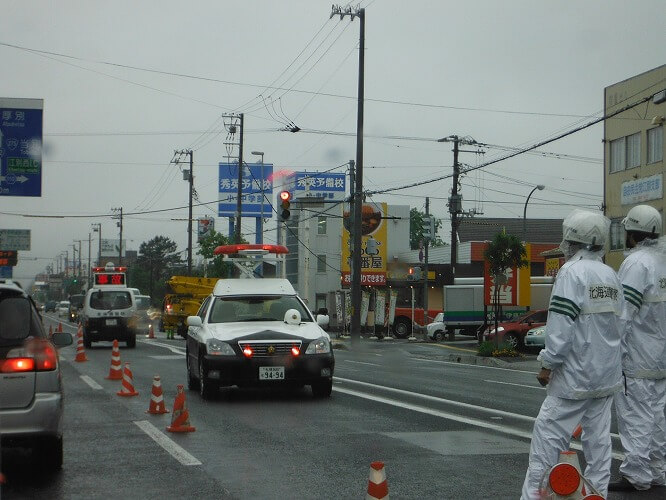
(6, 272)
(256, 176)
(21, 147)
(325, 185)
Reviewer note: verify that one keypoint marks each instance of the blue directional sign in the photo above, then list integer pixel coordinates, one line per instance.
(324, 185)
(257, 186)
(21, 147)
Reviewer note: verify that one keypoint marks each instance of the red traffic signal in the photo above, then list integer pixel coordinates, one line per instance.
(285, 198)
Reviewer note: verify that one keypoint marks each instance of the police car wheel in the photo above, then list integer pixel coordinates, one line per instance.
(192, 381)
(131, 342)
(207, 388)
(87, 343)
(322, 389)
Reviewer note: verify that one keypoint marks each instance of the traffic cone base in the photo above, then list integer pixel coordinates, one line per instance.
(377, 483)
(151, 332)
(80, 349)
(128, 386)
(157, 406)
(59, 327)
(116, 371)
(180, 418)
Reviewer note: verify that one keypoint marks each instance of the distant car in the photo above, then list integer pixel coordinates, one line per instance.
(514, 331)
(62, 309)
(436, 330)
(31, 406)
(50, 306)
(144, 314)
(536, 337)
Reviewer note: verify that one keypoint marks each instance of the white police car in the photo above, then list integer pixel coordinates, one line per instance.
(257, 332)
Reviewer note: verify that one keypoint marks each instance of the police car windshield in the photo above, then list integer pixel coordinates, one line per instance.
(110, 300)
(255, 308)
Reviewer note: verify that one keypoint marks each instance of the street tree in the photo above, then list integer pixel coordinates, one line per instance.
(417, 227)
(216, 267)
(157, 261)
(504, 252)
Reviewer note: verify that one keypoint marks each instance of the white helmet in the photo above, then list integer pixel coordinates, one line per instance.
(643, 218)
(585, 227)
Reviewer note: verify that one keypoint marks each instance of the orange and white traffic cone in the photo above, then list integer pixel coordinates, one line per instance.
(80, 350)
(116, 370)
(377, 483)
(180, 419)
(59, 327)
(151, 332)
(156, 406)
(128, 385)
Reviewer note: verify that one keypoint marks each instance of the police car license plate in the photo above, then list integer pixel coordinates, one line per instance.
(271, 373)
(111, 322)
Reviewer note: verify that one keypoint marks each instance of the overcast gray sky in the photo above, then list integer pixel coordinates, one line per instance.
(125, 83)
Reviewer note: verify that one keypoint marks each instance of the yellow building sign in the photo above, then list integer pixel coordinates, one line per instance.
(374, 244)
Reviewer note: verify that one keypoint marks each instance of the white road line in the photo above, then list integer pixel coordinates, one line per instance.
(456, 418)
(175, 450)
(168, 356)
(172, 348)
(473, 366)
(91, 382)
(360, 362)
(519, 385)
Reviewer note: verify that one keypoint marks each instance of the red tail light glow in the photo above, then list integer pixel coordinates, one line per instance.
(16, 365)
(247, 351)
(295, 351)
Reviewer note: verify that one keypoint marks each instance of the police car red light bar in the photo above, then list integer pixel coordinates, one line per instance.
(285, 195)
(232, 249)
(119, 269)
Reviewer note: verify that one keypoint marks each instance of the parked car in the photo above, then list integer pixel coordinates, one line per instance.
(514, 331)
(62, 309)
(536, 337)
(31, 406)
(50, 306)
(436, 330)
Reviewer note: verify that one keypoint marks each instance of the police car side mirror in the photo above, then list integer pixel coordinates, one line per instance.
(322, 320)
(194, 321)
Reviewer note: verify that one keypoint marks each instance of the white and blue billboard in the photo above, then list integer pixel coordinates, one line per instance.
(21, 147)
(326, 185)
(257, 190)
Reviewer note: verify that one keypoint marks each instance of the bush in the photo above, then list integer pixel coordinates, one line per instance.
(487, 349)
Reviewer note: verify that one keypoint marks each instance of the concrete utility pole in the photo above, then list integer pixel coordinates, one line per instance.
(120, 225)
(190, 178)
(358, 191)
(239, 193)
(425, 268)
(455, 200)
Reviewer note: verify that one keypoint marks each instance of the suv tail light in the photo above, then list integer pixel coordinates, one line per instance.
(37, 355)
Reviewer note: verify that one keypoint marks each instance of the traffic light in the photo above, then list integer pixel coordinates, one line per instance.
(428, 227)
(285, 203)
(414, 274)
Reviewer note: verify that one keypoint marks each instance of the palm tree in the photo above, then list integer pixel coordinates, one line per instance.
(504, 252)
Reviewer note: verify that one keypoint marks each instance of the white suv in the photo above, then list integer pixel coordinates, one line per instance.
(257, 332)
(31, 403)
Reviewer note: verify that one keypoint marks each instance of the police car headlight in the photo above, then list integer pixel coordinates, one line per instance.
(319, 346)
(219, 348)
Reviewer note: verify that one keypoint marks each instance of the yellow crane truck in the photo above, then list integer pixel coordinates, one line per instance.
(186, 293)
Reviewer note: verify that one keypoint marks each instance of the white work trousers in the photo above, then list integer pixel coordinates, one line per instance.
(640, 423)
(553, 427)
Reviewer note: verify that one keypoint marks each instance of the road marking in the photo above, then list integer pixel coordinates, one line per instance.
(172, 348)
(175, 450)
(360, 362)
(168, 356)
(476, 366)
(519, 385)
(456, 418)
(91, 382)
(444, 346)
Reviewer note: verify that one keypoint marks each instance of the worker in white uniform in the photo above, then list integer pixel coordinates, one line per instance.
(581, 361)
(640, 406)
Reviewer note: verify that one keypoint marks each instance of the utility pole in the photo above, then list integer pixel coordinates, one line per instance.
(455, 200)
(97, 228)
(89, 259)
(425, 273)
(120, 225)
(239, 193)
(358, 190)
(74, 259)
(189, 176)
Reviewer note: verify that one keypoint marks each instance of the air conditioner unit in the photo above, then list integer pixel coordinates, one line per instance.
(659, 97)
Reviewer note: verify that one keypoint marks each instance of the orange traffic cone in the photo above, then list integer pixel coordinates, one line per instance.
(128, 385)
(59, 328)
(50, 332)
(151, 332)
(180, 419)
(116, 370)
(156, 406)
(377, 483)
(577, 432)
(80, 350)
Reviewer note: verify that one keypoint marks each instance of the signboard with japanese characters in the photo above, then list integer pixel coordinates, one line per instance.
(14, 239)
(640, 190)
(514, 289)
(256, 190)
(324, 185)
(205, 227)
(21, 147)
(374, 243)
(110, 248)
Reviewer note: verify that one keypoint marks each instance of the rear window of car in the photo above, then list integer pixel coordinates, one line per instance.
(142, 302)
(18, 320)
(109, 300)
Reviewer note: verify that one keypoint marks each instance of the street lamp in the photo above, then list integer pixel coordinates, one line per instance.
(540, 187)
(97, 228)
(260, 225)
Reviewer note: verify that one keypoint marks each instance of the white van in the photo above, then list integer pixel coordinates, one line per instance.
(108, 314)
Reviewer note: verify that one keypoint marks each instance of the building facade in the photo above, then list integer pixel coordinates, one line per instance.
(633, 152)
